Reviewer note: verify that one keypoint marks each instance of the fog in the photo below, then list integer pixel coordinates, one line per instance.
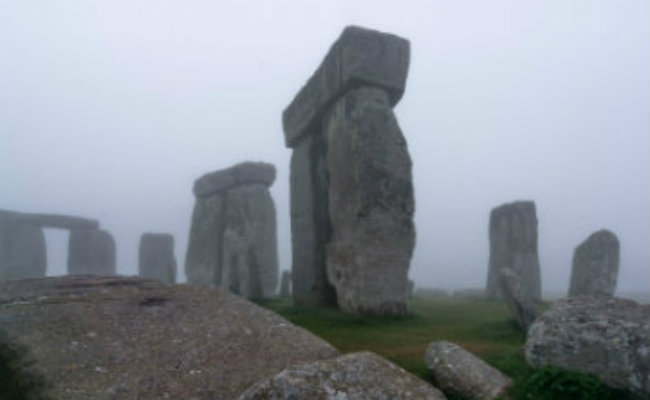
(110, 110)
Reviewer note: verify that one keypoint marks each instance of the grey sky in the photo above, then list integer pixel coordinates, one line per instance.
(111, 109)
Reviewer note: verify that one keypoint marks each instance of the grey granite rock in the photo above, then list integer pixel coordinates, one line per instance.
(600, 335)
(513, 244)
(204, 249)
(156, 257)
(310, 225)
(360, 57)
(285, 284)
(22, 251)
(116, 338)
(356, 376)
(91, 252)
(241, 174)
(48, 220)
(595, 265)
(371, 204)
(520, 301)
(460, 373)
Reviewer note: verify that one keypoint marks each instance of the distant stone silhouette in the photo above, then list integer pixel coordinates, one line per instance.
(91, 252)
(156, 257)
(22, 251)
(351, 188)
(595, 265)
(285, 284)
(233, 241)
(513, 244)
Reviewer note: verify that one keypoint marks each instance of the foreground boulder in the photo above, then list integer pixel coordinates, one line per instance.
(595, 265)
(356, 376)
(460, 373)
(607, 337)
(126, 338)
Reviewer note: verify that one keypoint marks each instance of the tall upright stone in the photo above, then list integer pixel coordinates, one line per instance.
(341, 159)
(233, 242)
(22, 251)
(595, 265)
(91, 252)
(513, 244)
(156, 257)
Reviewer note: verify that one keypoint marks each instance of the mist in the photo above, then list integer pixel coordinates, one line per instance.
(111, 110)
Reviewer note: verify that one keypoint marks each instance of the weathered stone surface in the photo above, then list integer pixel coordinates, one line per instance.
(48, 220)
(241, 174)
(595, 265)
(370, 204)
(604, 336)
(513, 244)
(156, 257)
(204, 248)
(116, 338)
(360, 57)
(22, 251)
(310, 225)
(91, 252)
(470, 294)
(250, 258)
(285, 284)
(521, 303)
(460, 373)
(356, 376)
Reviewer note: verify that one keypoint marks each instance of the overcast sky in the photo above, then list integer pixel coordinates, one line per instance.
(111, 109)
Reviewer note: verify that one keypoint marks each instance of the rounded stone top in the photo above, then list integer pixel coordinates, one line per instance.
(244, 173)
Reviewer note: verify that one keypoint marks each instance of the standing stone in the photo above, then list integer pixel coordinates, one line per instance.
(513, 244)
(233, 241)
(285, 284)
(22, 251)
(521, 303)
(365, 70)
(595, 265)
(156, 257)
(370, 204)
(91, 252)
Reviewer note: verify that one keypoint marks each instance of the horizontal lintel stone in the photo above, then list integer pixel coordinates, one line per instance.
(241, 174)
(48, 220)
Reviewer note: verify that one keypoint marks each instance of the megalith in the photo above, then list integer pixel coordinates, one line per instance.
(285, 284)
(22, 251)
(233, 239)
(513, 245)
(91, 252)
(351, 188)
(156, 257)
(595, 265)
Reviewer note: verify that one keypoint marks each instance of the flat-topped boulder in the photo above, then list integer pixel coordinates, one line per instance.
(57, 221)
(360, 57)
(237, 175)
(125, 338)
(595, 265)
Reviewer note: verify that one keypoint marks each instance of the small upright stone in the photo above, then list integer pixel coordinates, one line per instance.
(595, 265)
(91, 252)
(285, 284)
(513, 244)
(520, 302)
(22, 251)
(156, 257)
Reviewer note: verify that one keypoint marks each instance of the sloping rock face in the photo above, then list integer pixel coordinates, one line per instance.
(595, 265)
(356, 376)
(461, 373)
(91, 252)
(604, 336)
(22, 251)
(521, 303)
(513, 244)
(371, 204)
(156, 257)
(104, 338)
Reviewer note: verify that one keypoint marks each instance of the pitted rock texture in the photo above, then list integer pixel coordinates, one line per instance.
(513, 244)
(356, 376)
(48, 220)
(595, 265)
(360, 57)
(371, 204)
(460, 373)
(115, 338)
(156, 257)
(22, 251)
(245, 173)
(600, 335)
(91, 252)
(520, 302)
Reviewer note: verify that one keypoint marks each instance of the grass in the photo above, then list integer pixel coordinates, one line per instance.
(484, 328)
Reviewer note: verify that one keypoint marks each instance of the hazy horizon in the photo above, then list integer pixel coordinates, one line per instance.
(112, 110)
